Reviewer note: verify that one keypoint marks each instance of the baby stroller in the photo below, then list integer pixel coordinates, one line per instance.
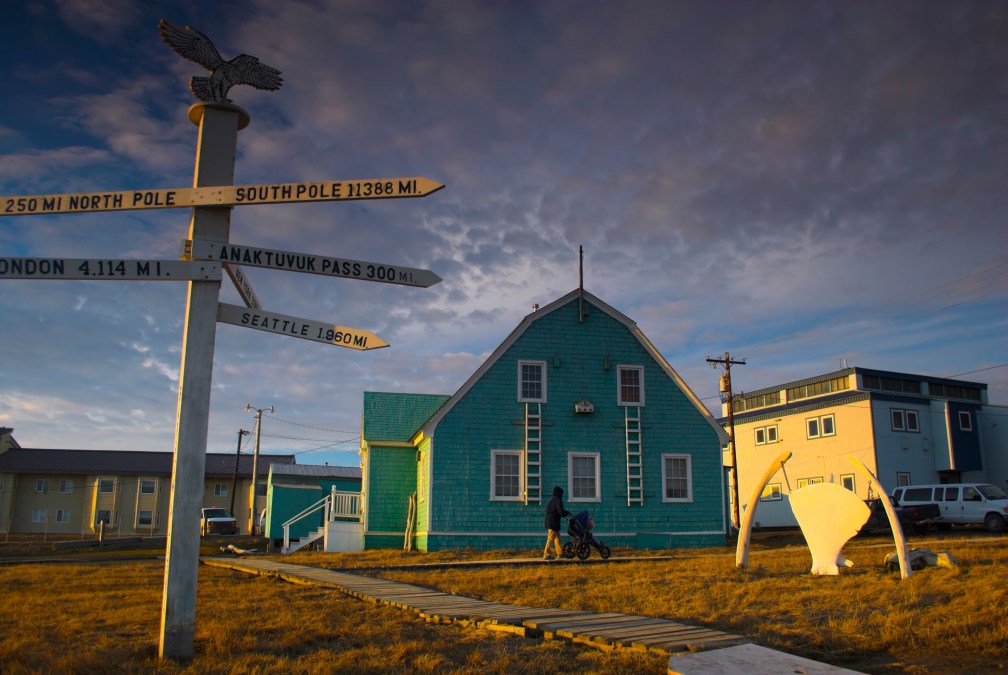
(579, 527)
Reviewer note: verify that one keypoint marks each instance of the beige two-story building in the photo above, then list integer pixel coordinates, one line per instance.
(120, 493)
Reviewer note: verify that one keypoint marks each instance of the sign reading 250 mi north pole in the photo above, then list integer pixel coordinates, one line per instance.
(224, 195)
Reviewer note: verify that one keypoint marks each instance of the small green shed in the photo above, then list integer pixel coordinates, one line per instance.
(292, 488)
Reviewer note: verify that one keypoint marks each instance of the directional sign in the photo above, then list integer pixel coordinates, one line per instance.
(241, 282)
(224, 195)
(341, 336)
(307, 262)
(114, 269)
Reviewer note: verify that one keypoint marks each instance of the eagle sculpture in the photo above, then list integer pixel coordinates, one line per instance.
(242, 69)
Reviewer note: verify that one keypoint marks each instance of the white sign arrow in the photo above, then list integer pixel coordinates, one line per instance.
(95, 269)
(341, 336)
(242, 284)
(224, 195)
(307, 262)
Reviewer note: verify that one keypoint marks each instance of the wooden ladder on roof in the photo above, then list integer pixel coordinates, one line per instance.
(634, 463)
(533, 453)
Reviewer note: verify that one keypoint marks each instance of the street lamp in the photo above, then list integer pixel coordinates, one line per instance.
(255, 462)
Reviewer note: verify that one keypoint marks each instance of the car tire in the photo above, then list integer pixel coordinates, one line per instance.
(994, 522)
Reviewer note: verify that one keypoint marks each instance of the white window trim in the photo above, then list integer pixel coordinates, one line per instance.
(901, 476)
(965, 415)
(775, 493)
(820, 432)
(521, 475)
(542, 365)
(106, 492)
(916, 419)
(69, 484)
(689, 478)
(897, 414)
(619, 389)
(153, 486)
(766, 434)
(220, 490)
(41, 486)
(570, 478)
(40, 515)
(853, 481)
(757, 432)
(65, 513)
(138, 523)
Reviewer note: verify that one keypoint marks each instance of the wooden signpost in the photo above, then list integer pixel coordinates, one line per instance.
(207, 250)
(223, 195)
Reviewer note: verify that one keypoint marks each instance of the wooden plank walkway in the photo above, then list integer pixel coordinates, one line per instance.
(610, 630)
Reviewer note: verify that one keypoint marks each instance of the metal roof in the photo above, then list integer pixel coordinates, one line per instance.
(316, 471)
(120, 462)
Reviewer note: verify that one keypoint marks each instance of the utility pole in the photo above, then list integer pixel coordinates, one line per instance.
(727, 362)
(255, 462)
(234, 483)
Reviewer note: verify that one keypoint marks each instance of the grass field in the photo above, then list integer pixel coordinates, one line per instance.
(91, 613)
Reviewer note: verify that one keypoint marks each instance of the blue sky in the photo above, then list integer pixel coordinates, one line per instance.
(797, 183)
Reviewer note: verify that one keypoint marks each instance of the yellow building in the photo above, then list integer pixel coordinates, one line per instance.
(906, 428)
(123, 493)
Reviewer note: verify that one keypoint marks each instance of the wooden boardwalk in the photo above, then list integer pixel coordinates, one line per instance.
(609, 630)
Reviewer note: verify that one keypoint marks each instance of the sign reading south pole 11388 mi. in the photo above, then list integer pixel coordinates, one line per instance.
(224, 195)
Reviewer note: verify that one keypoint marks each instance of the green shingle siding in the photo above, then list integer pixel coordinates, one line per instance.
(489, 417)
(391, 481)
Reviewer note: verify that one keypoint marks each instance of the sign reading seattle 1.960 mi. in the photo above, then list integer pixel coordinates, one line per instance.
(319, 331)
(109, 269)
(224, 195)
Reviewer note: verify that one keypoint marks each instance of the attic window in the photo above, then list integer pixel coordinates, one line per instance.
(532, 381)
(631, 385)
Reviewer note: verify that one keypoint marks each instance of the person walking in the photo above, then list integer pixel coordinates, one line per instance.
(554, 512)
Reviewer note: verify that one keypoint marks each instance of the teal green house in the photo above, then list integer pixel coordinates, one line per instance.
(575, 397)
(293, 489)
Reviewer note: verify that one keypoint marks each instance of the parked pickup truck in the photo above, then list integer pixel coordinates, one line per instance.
(917, 518)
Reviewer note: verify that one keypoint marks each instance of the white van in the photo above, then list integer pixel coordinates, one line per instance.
(960, 503)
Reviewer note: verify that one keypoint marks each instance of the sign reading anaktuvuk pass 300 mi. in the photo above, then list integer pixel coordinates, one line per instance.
(224, 195)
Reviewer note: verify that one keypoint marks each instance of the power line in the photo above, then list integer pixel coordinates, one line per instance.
(308, 426)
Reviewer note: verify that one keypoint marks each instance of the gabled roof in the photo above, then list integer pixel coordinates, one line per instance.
(119, 462)
(552, 307)
(315, 470)
(396, 417)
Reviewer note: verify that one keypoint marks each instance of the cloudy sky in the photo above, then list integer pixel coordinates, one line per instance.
(797, 183)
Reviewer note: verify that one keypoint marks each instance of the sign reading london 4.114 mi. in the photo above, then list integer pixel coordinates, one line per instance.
(224, 195)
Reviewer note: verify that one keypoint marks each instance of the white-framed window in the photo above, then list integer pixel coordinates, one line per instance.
(771, 493)
(66, 487)
(904, 420)
(62, 515)
(106, 485)
(767, 434)
(148, 487)
(506, 476)
(965, 420)
(847, 480)
(630, 382)
(220, 490)
(40, 515)
(802, 482)
(817, 427)
(583, 477)
(42, 486)
(531, 381)
(103, 516)
(677, 478)
(145, 518)
(902, 478)
(897, 419)
(912, 423)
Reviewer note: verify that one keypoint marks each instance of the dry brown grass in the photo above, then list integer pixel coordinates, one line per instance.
(938, 621)
(102, 616)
